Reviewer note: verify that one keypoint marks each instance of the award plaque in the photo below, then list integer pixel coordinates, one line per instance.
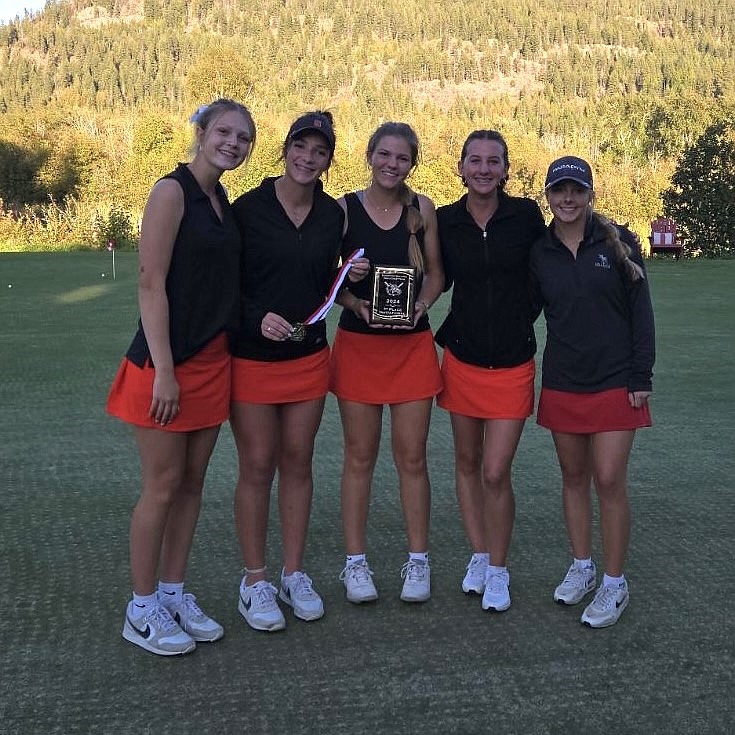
(394, 295)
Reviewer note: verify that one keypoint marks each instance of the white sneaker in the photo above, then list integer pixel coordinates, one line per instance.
(474, 580)
(258, 606)
(297, 591)
(497, 595)
(156, 631)
(416, 581)
(358, 583)
(578, 583)
(192, 619)
(607, 606)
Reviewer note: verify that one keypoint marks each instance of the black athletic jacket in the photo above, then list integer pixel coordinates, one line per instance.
(600, 330)
(490, 322)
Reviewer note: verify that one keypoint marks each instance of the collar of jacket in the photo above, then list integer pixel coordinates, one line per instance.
(461, 215)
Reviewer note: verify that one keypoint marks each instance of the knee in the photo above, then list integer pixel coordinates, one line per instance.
(162, 487)
(496, 479)
(611, 488)
(410, 463)
(468, 463)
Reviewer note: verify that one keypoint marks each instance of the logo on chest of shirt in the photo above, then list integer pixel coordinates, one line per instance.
(602, 261)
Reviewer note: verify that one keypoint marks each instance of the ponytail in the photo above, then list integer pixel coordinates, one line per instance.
(621, 250)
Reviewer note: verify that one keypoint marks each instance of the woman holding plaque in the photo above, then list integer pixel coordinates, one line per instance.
(384, 354)
(292, 232)
(174, 384)
(489, 344)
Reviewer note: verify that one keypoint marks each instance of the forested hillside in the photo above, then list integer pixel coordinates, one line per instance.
(94, 98)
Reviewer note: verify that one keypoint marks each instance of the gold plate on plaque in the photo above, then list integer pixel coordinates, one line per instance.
(394, 295)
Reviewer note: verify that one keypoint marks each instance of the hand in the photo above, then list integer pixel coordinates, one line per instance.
(165, 401)
(361, 309)
(360, 268)
(638, 398)
(275, 327)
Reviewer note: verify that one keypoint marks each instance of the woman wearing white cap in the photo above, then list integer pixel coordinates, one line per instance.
(596, 378)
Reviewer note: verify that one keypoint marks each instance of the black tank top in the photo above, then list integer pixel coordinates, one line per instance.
(382, 247)
(202, 285)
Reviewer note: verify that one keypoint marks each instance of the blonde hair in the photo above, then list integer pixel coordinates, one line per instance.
(414, 220)
(620, 249)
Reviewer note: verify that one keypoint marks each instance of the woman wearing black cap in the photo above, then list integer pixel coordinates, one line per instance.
(292, 232)
(597, 370)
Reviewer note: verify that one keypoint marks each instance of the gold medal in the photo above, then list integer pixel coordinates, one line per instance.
(298, 333)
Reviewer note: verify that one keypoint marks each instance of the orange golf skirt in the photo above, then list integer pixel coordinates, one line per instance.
(487, 393)
(204, 385)
(590, 413)
(283, 381)
(384, 369)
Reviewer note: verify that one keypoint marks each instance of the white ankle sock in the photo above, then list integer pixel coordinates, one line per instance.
(420, 556)
(582, 563)
(356, 559)
(143, 603)
(171, 591)
(608, 581)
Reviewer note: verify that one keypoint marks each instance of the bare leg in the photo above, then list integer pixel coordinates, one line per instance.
(361, 425)
(255, 428)
(574, 454)
(298, 425)
(163, 463)
(610, 452)
(468, 438)
(410, 429)
(184, 511)
(501, 441)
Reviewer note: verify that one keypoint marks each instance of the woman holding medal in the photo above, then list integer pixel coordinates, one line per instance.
(174, 384)
(292, 232)
(373, 365)
(489, 344)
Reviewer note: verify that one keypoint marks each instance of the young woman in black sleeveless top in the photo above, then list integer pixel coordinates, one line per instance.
(174, 384)
(377, 365)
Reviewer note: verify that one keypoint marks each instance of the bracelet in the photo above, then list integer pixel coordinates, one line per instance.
(424, 304)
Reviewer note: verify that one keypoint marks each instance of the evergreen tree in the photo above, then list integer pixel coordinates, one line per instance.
(702, 196)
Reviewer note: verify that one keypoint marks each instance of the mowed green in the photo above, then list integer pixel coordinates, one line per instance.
(69, 476)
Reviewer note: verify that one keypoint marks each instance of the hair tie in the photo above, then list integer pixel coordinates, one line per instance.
(197, 116)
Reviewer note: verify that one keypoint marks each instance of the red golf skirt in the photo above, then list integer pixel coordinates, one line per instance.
(204, 385)
(590, 413)
(384, 369)
(487, 393)
(284, 381)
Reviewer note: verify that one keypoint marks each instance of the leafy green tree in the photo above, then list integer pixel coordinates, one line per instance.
(702, 196)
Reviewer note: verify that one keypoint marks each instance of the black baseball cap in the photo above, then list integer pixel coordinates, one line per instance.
(314, 123)
(569, 168)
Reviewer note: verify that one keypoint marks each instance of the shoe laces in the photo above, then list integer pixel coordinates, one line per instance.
(497, 582)
(576, 576)
(414, 571)
(190, 604)
(477, 565)
(301, 585)
(606, 597)
(162, 619)
(265, 594)
(360, 573)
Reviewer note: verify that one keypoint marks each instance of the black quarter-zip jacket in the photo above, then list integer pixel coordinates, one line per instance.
(490, 322)
(600, 327)
(284, 269)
